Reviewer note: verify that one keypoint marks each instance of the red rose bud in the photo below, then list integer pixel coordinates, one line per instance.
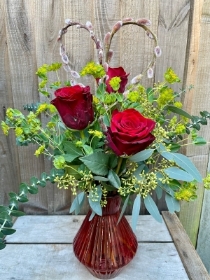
(74, 105)
(129, 132)
(116, 72)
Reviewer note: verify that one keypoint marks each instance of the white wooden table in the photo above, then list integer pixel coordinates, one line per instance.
(41, 249)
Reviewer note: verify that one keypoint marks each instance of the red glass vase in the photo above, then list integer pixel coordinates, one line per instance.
(103, 246)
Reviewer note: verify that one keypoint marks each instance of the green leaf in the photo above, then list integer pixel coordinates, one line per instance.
(3, 209)
(23, 189)
(114, 179)
(172, 203)
(135, 211)
(5, 216)
(32, 190)
(2, 245)
(100, 178)
(159, 192)
(88, 150)
(100, 91)
(96, 204)
(71, 149)
(185, 163)
(178, 111)
(22, 198)
(106, 120)
(97, 163)
(152, 208)
(141, 156)
(178, 174)
(123, 208)
(69, 157)
(44, 92)
(77, 202)
(199, 141)
(174, 147)
(92, 216)
(16, 213)
(7, 231)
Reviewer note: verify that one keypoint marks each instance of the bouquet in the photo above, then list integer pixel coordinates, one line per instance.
(121, 139)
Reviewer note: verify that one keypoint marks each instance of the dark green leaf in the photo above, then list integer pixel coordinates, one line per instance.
(2, 245)
(7, 231)
(5, 216)
(100, 178)
(17, 213)
(199, 141)
(97, 163)
(178, 111)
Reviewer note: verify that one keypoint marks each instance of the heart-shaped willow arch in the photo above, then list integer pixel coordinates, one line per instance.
(104, 55)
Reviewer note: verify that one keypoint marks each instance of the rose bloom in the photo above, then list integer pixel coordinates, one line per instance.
(129, 132)
(74, 105)
(116, 72)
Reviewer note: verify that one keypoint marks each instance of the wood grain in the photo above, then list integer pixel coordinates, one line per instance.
(190, 259)
(28, 229)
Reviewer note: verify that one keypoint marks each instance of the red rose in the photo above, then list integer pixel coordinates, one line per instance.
(74, 105)
(116, 72)
(129, 132)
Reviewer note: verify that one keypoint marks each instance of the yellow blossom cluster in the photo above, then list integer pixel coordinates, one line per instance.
(186, 192)
(96, 70)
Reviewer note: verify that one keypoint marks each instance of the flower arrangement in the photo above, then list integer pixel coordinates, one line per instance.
(123, 139)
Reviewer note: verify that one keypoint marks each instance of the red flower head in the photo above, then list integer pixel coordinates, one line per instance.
(116, 72)
(129, 132)
(74, 105)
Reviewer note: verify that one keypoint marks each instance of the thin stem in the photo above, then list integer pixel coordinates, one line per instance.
(119, 164)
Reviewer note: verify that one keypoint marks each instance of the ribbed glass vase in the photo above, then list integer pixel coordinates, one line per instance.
(104, 246)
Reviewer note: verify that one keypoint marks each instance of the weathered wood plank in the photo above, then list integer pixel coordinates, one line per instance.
(172, 37)
(8, 158)
(190, 259)
(56, 261)
(62, 229)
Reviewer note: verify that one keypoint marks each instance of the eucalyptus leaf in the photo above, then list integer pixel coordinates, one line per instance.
(2, 245)
(172, 203)
(77, 202)
(114, 179)
(185, 163)
(92, 216)
(95, 204)
(199, 141)
(152, 208)
(100, 178)
(7, 231)
(141, 156)
(123, 208)
(17, 213)
(178, 174)
(135, 211)
(159, 192)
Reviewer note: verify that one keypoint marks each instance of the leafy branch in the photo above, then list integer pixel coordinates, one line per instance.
(7, 212)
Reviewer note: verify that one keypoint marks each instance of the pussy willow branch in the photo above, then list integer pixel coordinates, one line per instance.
(107, 47)
(92, 36)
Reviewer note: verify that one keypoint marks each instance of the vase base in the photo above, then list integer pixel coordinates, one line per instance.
(106, 274)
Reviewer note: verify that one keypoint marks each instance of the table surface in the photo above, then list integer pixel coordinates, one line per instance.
(41, 249)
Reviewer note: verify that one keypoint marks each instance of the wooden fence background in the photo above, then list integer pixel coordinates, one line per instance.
(28, 33)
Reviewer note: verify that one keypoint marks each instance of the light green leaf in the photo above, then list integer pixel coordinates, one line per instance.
(178, 174)
(141, 156)
(97, 163)
(159, 192)
(95, 204)
(199, 141)
(77, 202)
(70, 148)
(135, 211)
(152, 208)
(172, 203)
(185, 163)
(123, 208)
(88, 149)
(114, 179)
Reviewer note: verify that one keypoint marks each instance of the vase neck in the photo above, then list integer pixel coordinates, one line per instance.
(112, 206)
